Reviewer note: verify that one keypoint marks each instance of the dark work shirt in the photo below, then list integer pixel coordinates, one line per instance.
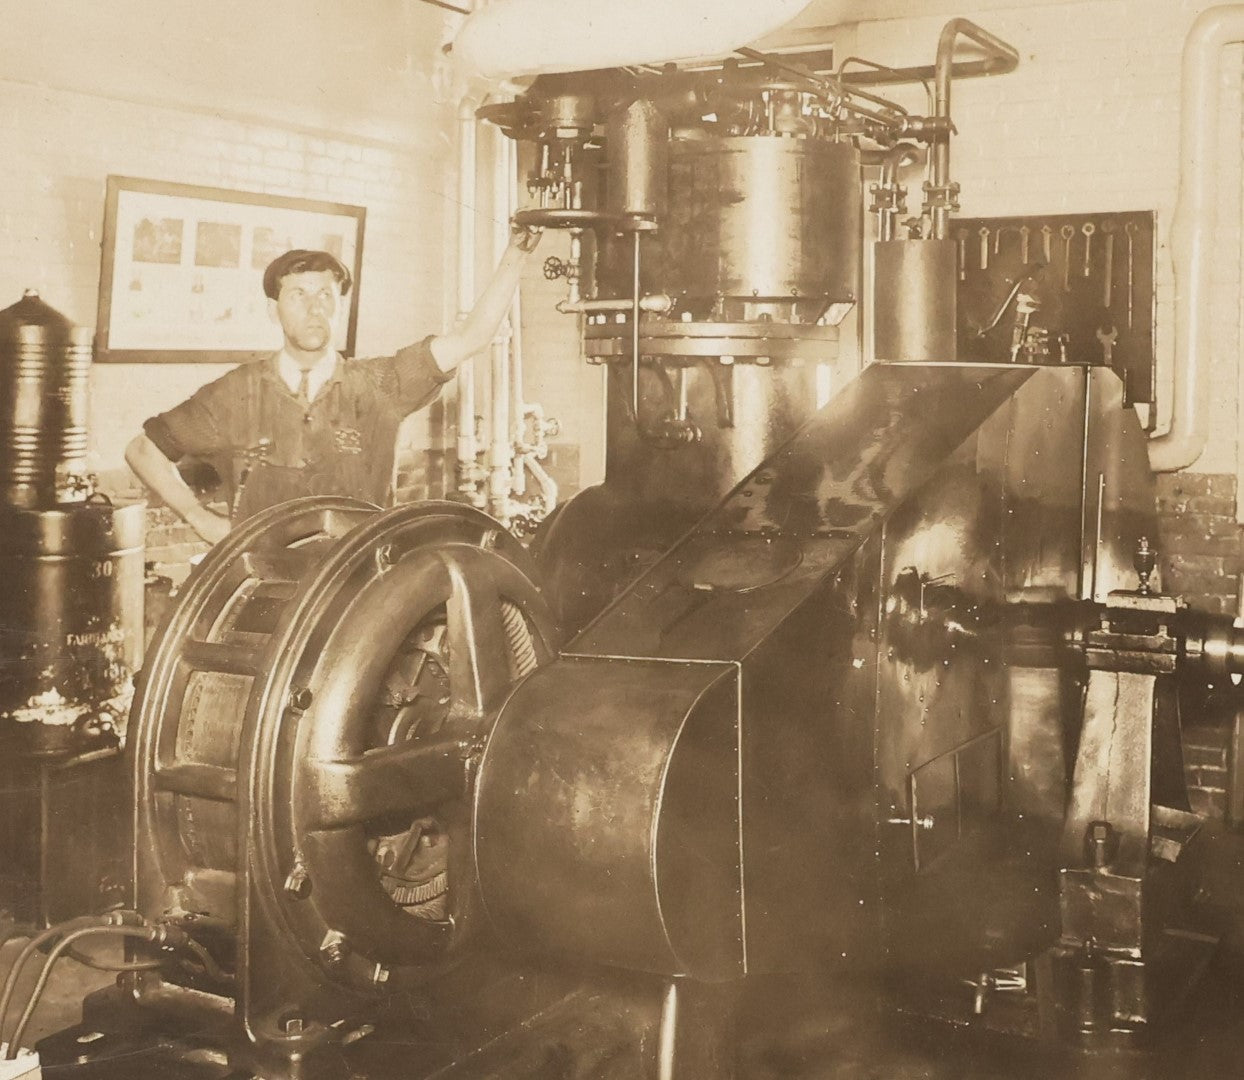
(343, 443)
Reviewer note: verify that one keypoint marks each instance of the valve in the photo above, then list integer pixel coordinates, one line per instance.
(555, 268)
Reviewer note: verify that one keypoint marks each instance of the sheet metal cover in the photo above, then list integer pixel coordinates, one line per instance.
(824, 492)
(607, 816)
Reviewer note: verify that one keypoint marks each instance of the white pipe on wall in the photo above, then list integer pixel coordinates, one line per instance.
(500, 451)
(1192, 235)
(468, 447)
(532, 37)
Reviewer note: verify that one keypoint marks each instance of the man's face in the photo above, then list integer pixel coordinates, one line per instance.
(307, 307)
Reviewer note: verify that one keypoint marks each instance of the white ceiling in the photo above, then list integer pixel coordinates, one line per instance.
(837, 12)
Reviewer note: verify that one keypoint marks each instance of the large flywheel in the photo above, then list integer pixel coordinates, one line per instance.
(305, 735)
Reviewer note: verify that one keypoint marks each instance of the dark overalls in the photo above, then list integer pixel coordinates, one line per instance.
(342, 443)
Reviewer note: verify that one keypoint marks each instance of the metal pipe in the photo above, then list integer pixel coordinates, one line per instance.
(468, 447)
(656, 303)
(1192, 235)
(500, 450)
(941, 193)
(636, 297)
(518, 406)
(667, 1036)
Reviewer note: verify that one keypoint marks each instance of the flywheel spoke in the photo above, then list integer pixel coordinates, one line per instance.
(478, 647)
(408, 778)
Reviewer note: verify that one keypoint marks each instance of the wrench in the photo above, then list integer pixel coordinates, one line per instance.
(1047, 231)
(984, 235)
(961, 237)
(1130, 229)
(1088, 228)
(1067, 232)
(1107, 339)
(1108, 293)
(1023, 243)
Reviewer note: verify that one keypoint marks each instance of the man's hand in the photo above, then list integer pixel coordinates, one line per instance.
(210, 526)
(525, 238)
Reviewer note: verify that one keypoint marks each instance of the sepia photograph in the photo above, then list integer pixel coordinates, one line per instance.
(665, 540)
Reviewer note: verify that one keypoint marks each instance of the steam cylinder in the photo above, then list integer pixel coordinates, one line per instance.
(71, 612)
(756, 227)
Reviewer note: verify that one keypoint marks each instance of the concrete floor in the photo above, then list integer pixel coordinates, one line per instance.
(805, 1031)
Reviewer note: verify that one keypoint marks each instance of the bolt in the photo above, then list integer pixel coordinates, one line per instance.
(298, 884)
(300, 699)
(1099, 839)
(385, 556)
(335, 949)
(379, 975)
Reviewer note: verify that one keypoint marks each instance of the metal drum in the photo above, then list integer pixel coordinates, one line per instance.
(71, 623)
(71, 615)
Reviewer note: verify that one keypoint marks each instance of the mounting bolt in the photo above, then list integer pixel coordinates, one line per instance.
(335, 949)
(379, 975)
(300, 699)
(298, 884)
(1099, 843)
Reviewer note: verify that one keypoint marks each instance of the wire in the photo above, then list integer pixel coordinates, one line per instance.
(144, 933)
(35, 943)
(112, 965)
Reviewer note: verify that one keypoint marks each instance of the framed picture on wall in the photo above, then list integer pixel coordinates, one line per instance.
(182, 273)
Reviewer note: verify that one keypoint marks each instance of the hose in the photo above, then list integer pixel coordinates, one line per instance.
(143, 933)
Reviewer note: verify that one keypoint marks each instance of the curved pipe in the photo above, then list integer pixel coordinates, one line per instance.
(1007, 59)
(534, 37)
(1192, 236)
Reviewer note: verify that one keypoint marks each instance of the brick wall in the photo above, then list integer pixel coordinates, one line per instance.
(1200, 545)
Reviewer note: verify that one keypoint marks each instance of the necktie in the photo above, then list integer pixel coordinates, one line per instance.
(304, 387)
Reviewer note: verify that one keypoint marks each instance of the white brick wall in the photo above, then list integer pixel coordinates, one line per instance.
(1090, 122)
(60, 144)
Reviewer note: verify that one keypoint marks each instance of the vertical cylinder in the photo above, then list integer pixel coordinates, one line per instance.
(45, 365)
(914, 301)
(638, 139)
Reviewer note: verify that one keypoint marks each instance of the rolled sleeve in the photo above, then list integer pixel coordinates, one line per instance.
(412, 378)
(199, 426)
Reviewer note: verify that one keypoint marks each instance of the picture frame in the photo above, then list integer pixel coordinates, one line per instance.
(181, 276)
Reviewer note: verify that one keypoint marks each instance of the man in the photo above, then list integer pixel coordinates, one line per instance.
(306, 421)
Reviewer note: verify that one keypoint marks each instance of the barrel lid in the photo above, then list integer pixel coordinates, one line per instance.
(30, 310)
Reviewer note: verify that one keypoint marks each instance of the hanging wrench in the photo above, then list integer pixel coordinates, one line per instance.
(984, 235)
(961, 238)
(1130, 230)
(1047, 232)
(1067, 232)
(1088, 228)
(1107, 339)
(1108, 292)
(1023, 243)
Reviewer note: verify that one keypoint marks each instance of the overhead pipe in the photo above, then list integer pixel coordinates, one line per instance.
(534, 37)
(942, 193)
(1192, 235)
